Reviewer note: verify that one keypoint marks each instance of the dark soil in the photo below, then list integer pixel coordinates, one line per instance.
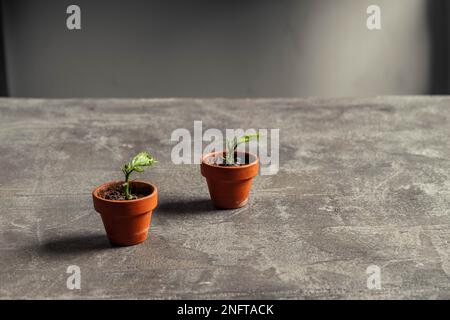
(220, 161)
(115, 192)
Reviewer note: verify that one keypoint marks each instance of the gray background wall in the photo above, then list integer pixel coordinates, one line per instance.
(201, 48)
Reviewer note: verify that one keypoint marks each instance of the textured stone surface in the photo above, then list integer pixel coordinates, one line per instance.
(362, 182)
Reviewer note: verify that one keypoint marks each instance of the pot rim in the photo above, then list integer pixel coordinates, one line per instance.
(204, 157)
(97, 189)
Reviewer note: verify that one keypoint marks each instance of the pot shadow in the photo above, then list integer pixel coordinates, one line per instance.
(76, 244)
(185, 207)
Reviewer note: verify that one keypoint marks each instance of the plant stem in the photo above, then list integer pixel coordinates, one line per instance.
(231, 148)
(126, 187)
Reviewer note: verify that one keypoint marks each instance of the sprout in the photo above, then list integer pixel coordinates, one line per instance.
(142, 159)
(233, 144)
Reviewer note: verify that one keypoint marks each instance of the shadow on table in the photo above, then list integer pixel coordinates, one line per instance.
(76, 244)
(197, 206)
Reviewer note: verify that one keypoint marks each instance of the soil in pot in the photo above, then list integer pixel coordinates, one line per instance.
(239, 160)
(115, 192)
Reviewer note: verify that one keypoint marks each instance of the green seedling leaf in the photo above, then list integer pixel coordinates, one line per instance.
(233, 144)
(247, 138)
(142, 159)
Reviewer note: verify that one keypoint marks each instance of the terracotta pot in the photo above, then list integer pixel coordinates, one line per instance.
(127, 222)
(229, 187)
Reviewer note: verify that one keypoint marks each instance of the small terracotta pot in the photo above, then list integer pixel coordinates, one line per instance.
(127, 221)
(229, 187)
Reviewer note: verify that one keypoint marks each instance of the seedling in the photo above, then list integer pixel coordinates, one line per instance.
(142, 159)
(233, 144)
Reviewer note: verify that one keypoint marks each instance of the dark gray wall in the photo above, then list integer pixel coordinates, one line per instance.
(209, 48)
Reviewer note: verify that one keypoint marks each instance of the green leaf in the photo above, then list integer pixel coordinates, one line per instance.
(142, 159)
(232, 145)
(247, 138)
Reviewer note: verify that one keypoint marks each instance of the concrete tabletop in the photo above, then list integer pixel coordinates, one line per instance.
(363, 184)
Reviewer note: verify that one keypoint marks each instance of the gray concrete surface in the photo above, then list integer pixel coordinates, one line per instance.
(362, 182)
